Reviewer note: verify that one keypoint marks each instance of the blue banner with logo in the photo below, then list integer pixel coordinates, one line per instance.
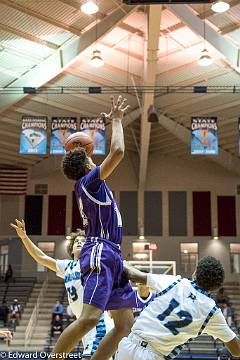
(95, 127)
(33, 138)
(61, 129)
(204, 135)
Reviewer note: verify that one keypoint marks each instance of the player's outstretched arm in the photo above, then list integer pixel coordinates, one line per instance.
(117, 147)
(134, 274)
(234, 346)
(6, 334)
(34, 251)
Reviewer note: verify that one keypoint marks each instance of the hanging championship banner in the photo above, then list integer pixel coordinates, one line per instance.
(95, 127)
(33, 138)
(61, 129)
(204, 135)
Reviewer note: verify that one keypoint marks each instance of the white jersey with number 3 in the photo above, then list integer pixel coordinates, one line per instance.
(180, 311)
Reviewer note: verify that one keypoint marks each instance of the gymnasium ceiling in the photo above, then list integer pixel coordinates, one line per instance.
(50, 42)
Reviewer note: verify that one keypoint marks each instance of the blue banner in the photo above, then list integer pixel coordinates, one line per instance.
(95, 127)
(61, 129)
(204, 135)
(33, 138)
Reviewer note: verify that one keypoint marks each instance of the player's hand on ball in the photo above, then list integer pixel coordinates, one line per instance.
(118, 108)
(20, 228)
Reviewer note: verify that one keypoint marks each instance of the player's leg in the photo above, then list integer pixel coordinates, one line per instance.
(92, 339)
(121, 302)
(97, 274)
(123, 322)
(97, 285)
(71, 336)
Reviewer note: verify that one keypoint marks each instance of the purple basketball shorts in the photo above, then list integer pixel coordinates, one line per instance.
(104, 281)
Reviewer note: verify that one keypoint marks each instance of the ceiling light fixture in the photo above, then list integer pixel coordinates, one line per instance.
(89, 7)
(96, 59)
(205, 59)
(220, 6)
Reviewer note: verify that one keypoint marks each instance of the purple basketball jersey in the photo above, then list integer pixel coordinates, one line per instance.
(98, 208)
(143, 303)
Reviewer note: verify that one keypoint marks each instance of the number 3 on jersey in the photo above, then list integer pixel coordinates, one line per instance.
(185, 318)
(72, 293)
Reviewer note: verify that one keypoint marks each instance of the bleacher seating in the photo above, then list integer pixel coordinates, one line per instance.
(3, 290)
(18, 288)
(51, 341)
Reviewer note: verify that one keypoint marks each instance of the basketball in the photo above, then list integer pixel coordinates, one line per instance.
(80, 139)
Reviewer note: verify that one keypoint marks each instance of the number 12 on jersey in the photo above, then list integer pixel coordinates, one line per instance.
(184, 316)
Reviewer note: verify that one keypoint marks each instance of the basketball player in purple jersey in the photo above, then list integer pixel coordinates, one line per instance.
(106, 287)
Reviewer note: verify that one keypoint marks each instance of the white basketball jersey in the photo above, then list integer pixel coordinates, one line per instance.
(69, 270)
(180, 311)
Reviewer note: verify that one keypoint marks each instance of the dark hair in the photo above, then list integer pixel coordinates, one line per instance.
(209, 273)
(74, 162)
(72, 241)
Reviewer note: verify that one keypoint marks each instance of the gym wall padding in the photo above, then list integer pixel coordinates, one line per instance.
(33, 214)
(153, 213)
(129, 212)
(56, 214)
(202, 224)
(177, 213)
(226, 209)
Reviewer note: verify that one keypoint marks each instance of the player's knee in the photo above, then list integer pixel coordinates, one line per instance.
(124, 330)
(124, 326)
(89, 322)
(93, 320)
(127, 328)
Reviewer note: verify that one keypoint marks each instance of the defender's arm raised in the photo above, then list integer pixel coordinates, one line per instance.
(34, 251)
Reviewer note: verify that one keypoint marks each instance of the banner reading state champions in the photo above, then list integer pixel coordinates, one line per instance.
(95, 127)
(33, 138)
(204, 135)
(61, 129)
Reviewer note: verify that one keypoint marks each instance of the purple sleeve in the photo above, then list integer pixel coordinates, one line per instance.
(91, 181)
